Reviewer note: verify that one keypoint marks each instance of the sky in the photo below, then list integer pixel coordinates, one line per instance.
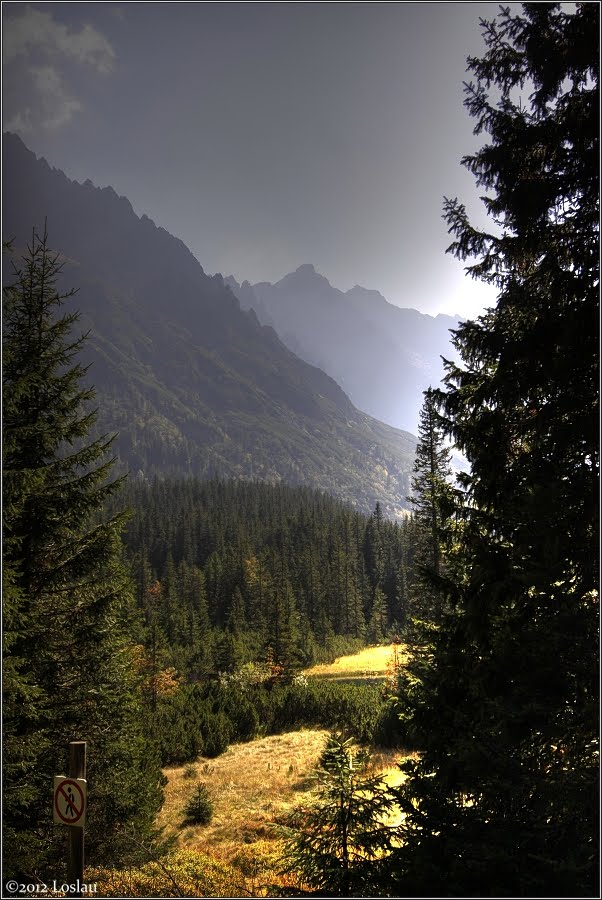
(266, 135)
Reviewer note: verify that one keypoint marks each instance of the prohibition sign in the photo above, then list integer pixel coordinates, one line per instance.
(69, 801)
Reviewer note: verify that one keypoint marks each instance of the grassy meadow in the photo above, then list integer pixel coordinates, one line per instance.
(369, 663)
(251, 786)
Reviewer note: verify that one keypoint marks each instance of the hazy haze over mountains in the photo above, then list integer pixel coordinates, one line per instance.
(192, 383)
(383, 356)
(265, 135)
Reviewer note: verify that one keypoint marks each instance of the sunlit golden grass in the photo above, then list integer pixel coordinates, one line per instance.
(250, 786)
(238, 855)
(371, 662)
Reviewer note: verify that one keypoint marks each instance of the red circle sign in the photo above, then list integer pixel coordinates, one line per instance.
(69, 801)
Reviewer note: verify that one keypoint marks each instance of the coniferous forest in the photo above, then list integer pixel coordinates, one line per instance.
(167, 619)
(256, 568)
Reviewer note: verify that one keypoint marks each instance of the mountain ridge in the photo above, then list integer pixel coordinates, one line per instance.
(193, 383)
(384, 356)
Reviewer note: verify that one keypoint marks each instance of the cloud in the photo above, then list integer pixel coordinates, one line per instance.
(51, 105)
(49, 84)
(35, 31)
(38, 58)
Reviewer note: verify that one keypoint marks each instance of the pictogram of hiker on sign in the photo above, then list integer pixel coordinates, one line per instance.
(70, 804)
(69, 801)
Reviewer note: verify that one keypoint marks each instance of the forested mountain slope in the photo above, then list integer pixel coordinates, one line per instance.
(193, 384)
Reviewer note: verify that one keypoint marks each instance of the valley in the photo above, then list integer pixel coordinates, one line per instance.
(383, 356)
(254, 787)
(291, 646)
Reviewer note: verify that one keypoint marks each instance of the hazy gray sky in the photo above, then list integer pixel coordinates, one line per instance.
(265, 135)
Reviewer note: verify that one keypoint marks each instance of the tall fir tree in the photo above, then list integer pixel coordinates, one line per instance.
(432, 499)
(68, 669)
(504, 799)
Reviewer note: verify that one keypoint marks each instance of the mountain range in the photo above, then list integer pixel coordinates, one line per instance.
(383, 356)
(191, 382)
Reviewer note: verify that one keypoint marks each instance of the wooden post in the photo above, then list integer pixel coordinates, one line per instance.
(75, 868)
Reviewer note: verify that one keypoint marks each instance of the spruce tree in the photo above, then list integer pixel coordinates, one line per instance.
(336, 845)
(377, 625)
(432, 500)
(68, 669)
(504, 798)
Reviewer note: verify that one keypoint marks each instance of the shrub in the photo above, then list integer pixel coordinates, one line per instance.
(242, 715)
(182, 873)
(217, 730)
(205, 719)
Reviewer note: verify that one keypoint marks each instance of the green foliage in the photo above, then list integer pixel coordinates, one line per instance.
(217, 733)
(178, 727)
(68, 670)
(336, 845)
(203, 719)
(503, 703)
(355, 708)
(199, 808)
(242, 714)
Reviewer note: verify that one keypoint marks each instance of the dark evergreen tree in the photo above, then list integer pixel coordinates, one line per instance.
(373, 547)
(431, 493)
(199, 808)
(237, 622)
(432, 500)
(504, 798)
(228, 653)
(336, 845)
(378, 617)
(68, 670)
(282, 627)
